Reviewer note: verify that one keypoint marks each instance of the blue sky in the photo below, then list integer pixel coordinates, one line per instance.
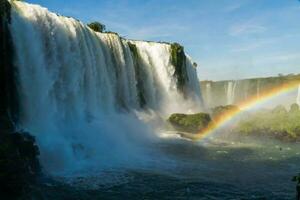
(229, 39)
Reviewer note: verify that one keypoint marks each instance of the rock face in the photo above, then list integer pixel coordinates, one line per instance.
(19, 165)
(178, 59)
(8, 91)
(190, 122)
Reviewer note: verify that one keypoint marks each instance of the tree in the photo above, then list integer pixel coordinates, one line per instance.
(97, 26)
(294, 108)
(280, 109)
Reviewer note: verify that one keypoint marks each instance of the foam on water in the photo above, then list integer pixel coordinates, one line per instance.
(80, 91)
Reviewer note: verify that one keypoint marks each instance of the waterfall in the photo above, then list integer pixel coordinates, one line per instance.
(230, 92)
(208, 94)
(298, 96)
(80, 90)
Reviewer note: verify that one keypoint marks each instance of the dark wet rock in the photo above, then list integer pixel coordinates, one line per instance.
(19, 164)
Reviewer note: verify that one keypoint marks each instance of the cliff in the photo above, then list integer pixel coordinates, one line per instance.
(80, 92)
(229, 92)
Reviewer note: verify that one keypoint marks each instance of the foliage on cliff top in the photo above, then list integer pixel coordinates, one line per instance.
(97, 26)
(190, 122)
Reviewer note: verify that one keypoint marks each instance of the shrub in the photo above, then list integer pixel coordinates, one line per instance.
(294, 108)
(97, 26)
(276, 123)
(220, 110)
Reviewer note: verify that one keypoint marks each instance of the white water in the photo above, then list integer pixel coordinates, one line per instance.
(208, 94)
(231, 92)
(298, 96)
(79, 90)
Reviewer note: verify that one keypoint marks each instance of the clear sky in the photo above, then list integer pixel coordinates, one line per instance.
(229, 39)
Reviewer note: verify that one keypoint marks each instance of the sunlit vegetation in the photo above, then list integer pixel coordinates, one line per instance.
(190, 123)
(221, 110)
(97, 27)
(278, 123)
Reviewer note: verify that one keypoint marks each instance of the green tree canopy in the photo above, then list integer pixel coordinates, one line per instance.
(294, 108)
(97, 26)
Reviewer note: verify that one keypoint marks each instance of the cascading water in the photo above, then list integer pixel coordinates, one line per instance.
(298, 96)
(208, 93)
(230, 92)
(80, 90)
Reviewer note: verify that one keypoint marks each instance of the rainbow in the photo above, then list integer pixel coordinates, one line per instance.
(225, 117)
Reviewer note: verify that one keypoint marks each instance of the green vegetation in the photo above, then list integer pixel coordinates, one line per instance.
(112, 32)
(178, 60)
(97, 27)
(134, 50)
(295, 109)
(277, 123)
(190, 123)
(219, 110)
(280, 110)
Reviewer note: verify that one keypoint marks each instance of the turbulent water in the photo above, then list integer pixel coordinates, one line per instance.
(82, 93)
(230, 92)
(218, 170)
(95, 102)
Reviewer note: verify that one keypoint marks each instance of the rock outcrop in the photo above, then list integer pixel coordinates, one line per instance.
(19, 165)
(190, 122)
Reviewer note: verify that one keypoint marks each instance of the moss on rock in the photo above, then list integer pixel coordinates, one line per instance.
(178, 60)
(190, 122)
(138, 74)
